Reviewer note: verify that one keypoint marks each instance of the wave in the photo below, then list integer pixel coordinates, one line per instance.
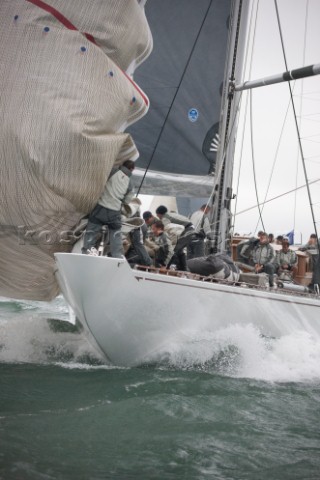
(39, 332)
(241, 352)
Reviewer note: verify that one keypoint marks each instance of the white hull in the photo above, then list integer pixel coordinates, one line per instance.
(132, 314)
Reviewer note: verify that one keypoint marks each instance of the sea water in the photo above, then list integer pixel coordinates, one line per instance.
(232, 405)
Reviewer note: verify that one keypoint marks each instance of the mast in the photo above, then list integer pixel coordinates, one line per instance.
(221, 214)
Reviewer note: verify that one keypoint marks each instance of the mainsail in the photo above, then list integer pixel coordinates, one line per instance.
(67, 97)
(183, 78)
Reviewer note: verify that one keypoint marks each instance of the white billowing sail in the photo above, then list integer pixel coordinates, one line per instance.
(66, 98)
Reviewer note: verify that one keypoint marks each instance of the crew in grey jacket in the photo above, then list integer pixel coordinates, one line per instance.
(179, 257)
(118, 190)
(165, 249)
(286, 261)
(263, 258)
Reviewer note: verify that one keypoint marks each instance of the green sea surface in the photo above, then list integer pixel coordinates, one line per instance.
(234, 406)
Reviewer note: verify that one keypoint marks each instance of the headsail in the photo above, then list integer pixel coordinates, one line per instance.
(66, 98)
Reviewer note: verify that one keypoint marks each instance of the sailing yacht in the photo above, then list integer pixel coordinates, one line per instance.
(173, 96)
(131, 324)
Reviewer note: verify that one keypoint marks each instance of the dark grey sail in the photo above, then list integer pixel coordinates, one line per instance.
(183, 79)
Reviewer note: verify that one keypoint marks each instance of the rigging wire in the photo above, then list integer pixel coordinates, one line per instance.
(275, 160)
(232, 126)
(220, 187)
(252, 145)
(219, 172)
(273, 165)
(174, 97)
(217, 178)
(279, 196)
(246, 105)
(253, 164)
(300, 110)
(240, 158)
(251, 130)
(297, 129)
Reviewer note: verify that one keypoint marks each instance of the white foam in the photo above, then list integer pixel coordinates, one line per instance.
(237, 351)
(31, 340)
(26, 336)
(240, 351)
(294, 358)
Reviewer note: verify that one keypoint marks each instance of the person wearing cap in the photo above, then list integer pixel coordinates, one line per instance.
(286, 261)
(118, 190)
